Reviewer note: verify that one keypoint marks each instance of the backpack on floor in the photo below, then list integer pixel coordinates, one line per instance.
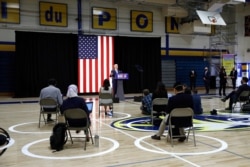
(59, 136)
(4, 140)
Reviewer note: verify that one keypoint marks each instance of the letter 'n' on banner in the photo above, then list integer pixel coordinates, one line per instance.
(171, 25)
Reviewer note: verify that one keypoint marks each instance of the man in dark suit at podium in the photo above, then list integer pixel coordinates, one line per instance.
(113, 75)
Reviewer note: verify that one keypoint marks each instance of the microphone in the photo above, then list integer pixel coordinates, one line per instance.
(139, 68)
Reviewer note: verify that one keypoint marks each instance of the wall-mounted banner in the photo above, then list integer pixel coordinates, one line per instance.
(171, 25)
(228, 62)
(53, 14)
(10, 11)
(104, 18)
(141, 21)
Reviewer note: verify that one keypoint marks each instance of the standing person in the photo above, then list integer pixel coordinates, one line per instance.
(51, 91)
(74, 101)
(233, 75)
(113, 75)
(146, 105)
(179, 100)
(197, 102)
(106, 89)
(192, 78)
(206, 79)
(223, 81)
(233, 96)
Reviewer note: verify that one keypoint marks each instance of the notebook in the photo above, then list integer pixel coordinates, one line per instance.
(90, 106)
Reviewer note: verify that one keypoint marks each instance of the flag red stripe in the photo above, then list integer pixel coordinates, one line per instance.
(93, 71)
(84, 77)
(79, 75)
(102, 56)
(108, 58)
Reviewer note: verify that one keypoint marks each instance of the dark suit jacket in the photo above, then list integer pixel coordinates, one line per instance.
(233, 74)
(113, 74)
(241, 88)
(223, 79)
(207, 75)
(192, 76)
(180, 100)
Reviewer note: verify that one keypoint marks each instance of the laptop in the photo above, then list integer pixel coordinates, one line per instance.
(90, 106)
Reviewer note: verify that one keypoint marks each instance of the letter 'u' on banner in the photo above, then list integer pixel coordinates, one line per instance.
(104, 18)
(53, 14)
(141, 21)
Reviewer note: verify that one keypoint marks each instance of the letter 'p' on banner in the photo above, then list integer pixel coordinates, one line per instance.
(104, 18)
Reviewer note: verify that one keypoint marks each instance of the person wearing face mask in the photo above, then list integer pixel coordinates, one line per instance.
(192, 78)
(206, 79)
(233, 96)
(74, 101)
(113, 75)
(233, 76)
(179, 100)
(223, 81)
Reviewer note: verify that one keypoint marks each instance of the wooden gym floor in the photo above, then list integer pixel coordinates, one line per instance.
(222, 140)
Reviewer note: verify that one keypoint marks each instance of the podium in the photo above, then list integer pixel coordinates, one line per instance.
(120, 92)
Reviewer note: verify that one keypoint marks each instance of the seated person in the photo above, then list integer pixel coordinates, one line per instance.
(51, 91)
(234, 95)
(106, 89)
(197, 102)
(74, 101)
(187, 90)
(160, 92)
(179, 100)
(146, 102)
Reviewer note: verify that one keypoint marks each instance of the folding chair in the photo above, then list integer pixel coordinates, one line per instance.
(105, 97)
(48, 106)
(77, 119)
(159, 106)
(181, 118)
(242, 99)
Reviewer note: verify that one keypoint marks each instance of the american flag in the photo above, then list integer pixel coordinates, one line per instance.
(95, 61)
